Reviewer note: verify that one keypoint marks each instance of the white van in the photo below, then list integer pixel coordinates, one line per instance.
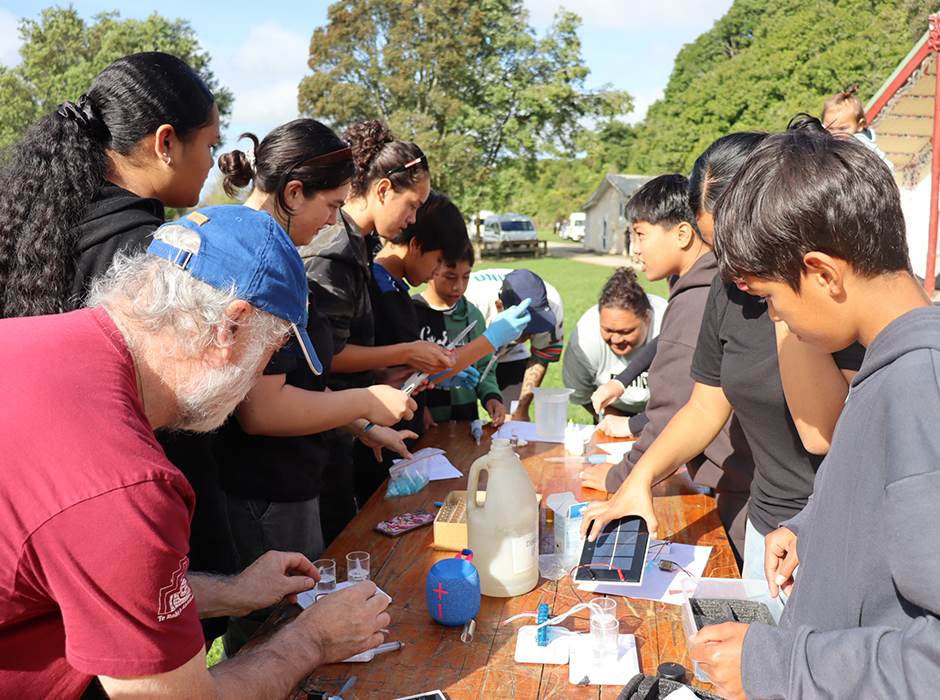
(576, 226)
(509, 228)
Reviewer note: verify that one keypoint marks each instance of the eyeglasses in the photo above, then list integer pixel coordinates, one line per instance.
(402, 168)
(328, 158)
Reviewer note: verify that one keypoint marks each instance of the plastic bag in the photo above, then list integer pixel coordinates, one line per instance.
(409, 476)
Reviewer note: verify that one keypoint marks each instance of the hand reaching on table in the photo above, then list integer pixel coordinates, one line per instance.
(270, 577)
(594, 476)
(497, 412)
(606, 394)
(378, 437)
(346, 622)
(428, 420)
(634, 497)
(780, 560)
(616, 426)
(717, 649)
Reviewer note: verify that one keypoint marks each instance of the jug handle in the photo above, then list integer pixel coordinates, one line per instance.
(473, 481)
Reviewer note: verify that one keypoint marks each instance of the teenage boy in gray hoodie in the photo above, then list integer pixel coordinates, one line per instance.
(668, 242)
(812, 223)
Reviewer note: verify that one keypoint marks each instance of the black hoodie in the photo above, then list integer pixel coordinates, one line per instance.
(115, 221)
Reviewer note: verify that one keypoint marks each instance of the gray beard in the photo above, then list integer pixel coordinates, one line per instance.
(205, 401)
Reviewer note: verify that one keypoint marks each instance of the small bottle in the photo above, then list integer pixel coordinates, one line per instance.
(573, 442)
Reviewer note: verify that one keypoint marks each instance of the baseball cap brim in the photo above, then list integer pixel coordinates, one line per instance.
(299, 345)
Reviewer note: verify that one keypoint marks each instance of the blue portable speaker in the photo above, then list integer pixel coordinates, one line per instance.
(453, 590)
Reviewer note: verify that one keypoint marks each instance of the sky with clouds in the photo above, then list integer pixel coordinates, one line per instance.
(262, 56)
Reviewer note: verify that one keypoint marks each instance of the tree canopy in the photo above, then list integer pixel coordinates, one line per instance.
(62, 54)
(468, 80)
(765, 61)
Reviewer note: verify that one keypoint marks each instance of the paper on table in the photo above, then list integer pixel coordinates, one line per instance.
(659, 585)
(526, 431)
(617, 449)
(439, 468)
(581, 661)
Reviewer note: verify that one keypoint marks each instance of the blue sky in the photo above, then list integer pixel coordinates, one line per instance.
(630, 44)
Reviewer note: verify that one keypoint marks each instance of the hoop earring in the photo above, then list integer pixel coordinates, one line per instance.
(168, 158)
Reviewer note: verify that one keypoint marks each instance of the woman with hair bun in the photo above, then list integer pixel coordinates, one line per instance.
(273, 453)
(92, 177)
(392, 181)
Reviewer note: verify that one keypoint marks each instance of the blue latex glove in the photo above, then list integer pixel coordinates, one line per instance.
(508, 325)
(467, 379)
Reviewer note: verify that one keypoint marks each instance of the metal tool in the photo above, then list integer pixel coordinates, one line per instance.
(498, 353)
(414, 381)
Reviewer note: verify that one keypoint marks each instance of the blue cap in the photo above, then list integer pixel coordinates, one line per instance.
(525, 284)
(246, 252)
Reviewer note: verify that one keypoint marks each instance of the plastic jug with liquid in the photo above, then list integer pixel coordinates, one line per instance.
(503, 532)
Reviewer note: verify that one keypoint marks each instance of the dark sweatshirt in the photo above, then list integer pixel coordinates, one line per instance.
(863, 618)
(116, 220)
(339, 268)
(726, 465)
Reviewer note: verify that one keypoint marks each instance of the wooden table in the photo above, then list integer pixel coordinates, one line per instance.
(434, 656)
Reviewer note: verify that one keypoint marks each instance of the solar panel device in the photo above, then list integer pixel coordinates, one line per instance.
(618, 555)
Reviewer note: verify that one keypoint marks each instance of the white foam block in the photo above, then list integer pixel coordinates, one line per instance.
(308, 598)
(581, 662)
(528, 650)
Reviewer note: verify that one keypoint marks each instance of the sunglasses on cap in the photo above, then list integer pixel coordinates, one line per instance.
(402, 168)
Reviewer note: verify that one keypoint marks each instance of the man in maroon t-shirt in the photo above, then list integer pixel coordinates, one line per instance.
(94, 521)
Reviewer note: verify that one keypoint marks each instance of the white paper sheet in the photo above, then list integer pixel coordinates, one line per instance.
(581, 662)
(659, 585)
(526, 431)
(617, 449)
(440, 468)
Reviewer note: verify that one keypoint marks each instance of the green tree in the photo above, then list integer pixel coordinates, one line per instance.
(468, 80)
(766, 60)
(61, 54)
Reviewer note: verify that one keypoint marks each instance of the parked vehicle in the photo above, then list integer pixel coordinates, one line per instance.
(509, 228)
(575, 230)
(510, 233)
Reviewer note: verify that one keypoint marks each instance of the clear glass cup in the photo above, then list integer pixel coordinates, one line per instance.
(357, 566)
(452, 428)
(327, 569)
(605, 629)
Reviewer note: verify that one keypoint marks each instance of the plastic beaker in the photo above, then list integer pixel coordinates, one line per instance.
(551, 411)
(327, 569)
(605, 632)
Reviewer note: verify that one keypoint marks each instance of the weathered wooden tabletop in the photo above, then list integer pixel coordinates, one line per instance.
(434, 657)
